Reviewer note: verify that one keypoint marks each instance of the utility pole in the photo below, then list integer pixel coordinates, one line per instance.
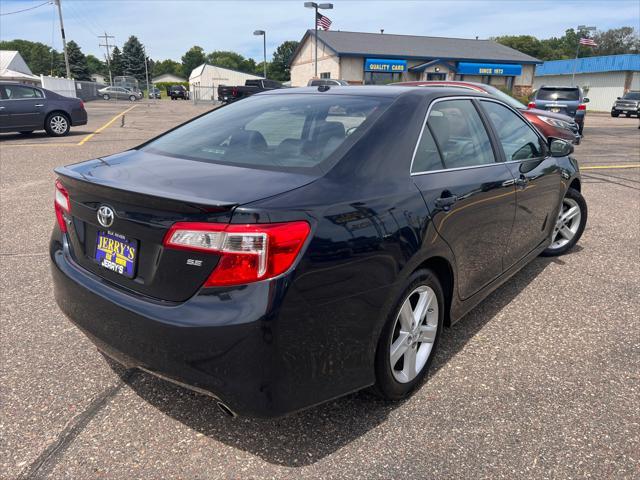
(146, 72)
(106, 44)
(64, 41)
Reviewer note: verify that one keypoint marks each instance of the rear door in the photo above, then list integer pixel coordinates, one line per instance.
(470, 194)
(25, 106)
(537, 176)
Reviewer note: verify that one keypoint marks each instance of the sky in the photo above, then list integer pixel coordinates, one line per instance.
(168, 28)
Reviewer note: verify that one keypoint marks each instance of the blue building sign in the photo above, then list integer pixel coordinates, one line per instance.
(382, 65)
(504, 69)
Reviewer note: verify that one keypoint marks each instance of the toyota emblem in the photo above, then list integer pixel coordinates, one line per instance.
(105, 216)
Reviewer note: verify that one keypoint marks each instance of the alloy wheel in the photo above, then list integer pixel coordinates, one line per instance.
(58, 124)
(414, 333)
(567, 224)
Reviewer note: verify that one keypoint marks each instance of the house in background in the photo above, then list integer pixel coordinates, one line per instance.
(205, 80)
(13, 68)
(98, 78)
(168, 78)
(602, 79)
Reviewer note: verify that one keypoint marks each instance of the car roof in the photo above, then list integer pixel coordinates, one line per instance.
(387, 91)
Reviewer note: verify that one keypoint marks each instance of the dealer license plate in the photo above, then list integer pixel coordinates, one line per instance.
(117, 253)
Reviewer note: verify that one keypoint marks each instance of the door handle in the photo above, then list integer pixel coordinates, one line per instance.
(39, 105)
(1, 108)
(446, 200)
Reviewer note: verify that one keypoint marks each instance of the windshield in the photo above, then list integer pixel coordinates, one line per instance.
(271, 131)
(632, 96)
(566, 94)
(508, 99)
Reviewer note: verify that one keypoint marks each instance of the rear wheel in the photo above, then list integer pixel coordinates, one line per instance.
(132, 98)
(615, 114)
(57, 124)
(106, 96)
(409, 339)
(570, 224)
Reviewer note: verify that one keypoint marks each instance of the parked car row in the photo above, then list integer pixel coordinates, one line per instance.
(120, 93)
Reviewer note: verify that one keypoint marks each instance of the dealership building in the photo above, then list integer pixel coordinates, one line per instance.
(380, 58)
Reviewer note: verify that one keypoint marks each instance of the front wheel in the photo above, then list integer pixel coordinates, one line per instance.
(410, 337)
(615, 114)
(132, 98)
(106, 96)
(570, 224)
(57, 125)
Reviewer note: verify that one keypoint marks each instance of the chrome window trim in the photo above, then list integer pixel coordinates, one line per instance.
(478, 98)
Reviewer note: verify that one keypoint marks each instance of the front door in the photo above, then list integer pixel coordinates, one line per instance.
(470, 194)
(537, 176)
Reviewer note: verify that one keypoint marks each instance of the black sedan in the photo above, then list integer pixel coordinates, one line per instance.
(24, 109)
(306, 243)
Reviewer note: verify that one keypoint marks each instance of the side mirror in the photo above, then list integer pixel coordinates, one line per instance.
(559, 147)
(618, 98)
(585, 100)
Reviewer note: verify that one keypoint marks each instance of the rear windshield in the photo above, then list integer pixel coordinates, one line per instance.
(567, 94)
(280, 131)
(632, 96)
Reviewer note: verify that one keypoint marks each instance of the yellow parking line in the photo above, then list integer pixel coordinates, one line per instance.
(598, 167)
(2, 145)
(88, 137)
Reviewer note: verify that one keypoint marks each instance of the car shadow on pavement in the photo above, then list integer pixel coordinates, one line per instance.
(307, 437)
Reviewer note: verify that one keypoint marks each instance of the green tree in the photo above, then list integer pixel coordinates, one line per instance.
(195, 56)
(77, 62)
(95, 65)
(133, 58)
(279, 67)
(232, 60)
(617, 41)
(41, 59)
(117, 68)
(167, 66)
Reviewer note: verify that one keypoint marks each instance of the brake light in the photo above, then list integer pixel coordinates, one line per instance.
(62, 205)
(234, 92)
(531, 105)
(582, 106)
(81, 105)
(248, 253)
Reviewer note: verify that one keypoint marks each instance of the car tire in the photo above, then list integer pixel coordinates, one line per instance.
(628, 115)
(402, 359)
(616, 115)
(569, 227)
(581, 128)
(57, 124)
(26, 132)
(132, 98)
(106, 96)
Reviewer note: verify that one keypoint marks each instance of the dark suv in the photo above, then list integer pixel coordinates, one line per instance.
(627, 105)
(178, 91)
(567, 100)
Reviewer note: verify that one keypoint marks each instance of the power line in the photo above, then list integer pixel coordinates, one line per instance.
(25, 9)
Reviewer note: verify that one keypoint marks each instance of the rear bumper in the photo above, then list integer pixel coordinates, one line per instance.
(258, 351)
(79, 117)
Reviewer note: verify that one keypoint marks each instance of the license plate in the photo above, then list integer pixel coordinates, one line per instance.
(555, 110)
(117, 253)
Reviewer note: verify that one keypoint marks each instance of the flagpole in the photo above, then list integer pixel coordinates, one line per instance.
(315, 20)
(575, 64)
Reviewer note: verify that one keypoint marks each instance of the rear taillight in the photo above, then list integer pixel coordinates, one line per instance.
(582, 106)
(532, 105)
(248, 253)
(62, 205)
(234, 92)
(81, 105)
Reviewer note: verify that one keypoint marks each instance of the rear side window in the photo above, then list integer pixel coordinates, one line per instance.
(427, 157)
(273, 131)
(16, 92)
(460, 134)
(518, 140)
(566, 94)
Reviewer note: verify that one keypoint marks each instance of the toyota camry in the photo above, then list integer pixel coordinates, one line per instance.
(306, 243)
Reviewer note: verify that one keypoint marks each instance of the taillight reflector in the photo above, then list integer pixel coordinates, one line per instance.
(248, 253)
(582, 106)
(532, 105)
(62, 205)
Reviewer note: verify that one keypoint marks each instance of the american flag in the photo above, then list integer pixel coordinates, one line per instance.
(588, 41)
(322, 22)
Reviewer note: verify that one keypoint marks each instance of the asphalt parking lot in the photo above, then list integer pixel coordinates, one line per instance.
(540, 381)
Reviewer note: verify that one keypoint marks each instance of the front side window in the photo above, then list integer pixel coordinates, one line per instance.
(518, 140)
(460, 134)
(278, 131)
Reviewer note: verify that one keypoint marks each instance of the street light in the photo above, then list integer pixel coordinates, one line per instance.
(264, 46)
(316, 6)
